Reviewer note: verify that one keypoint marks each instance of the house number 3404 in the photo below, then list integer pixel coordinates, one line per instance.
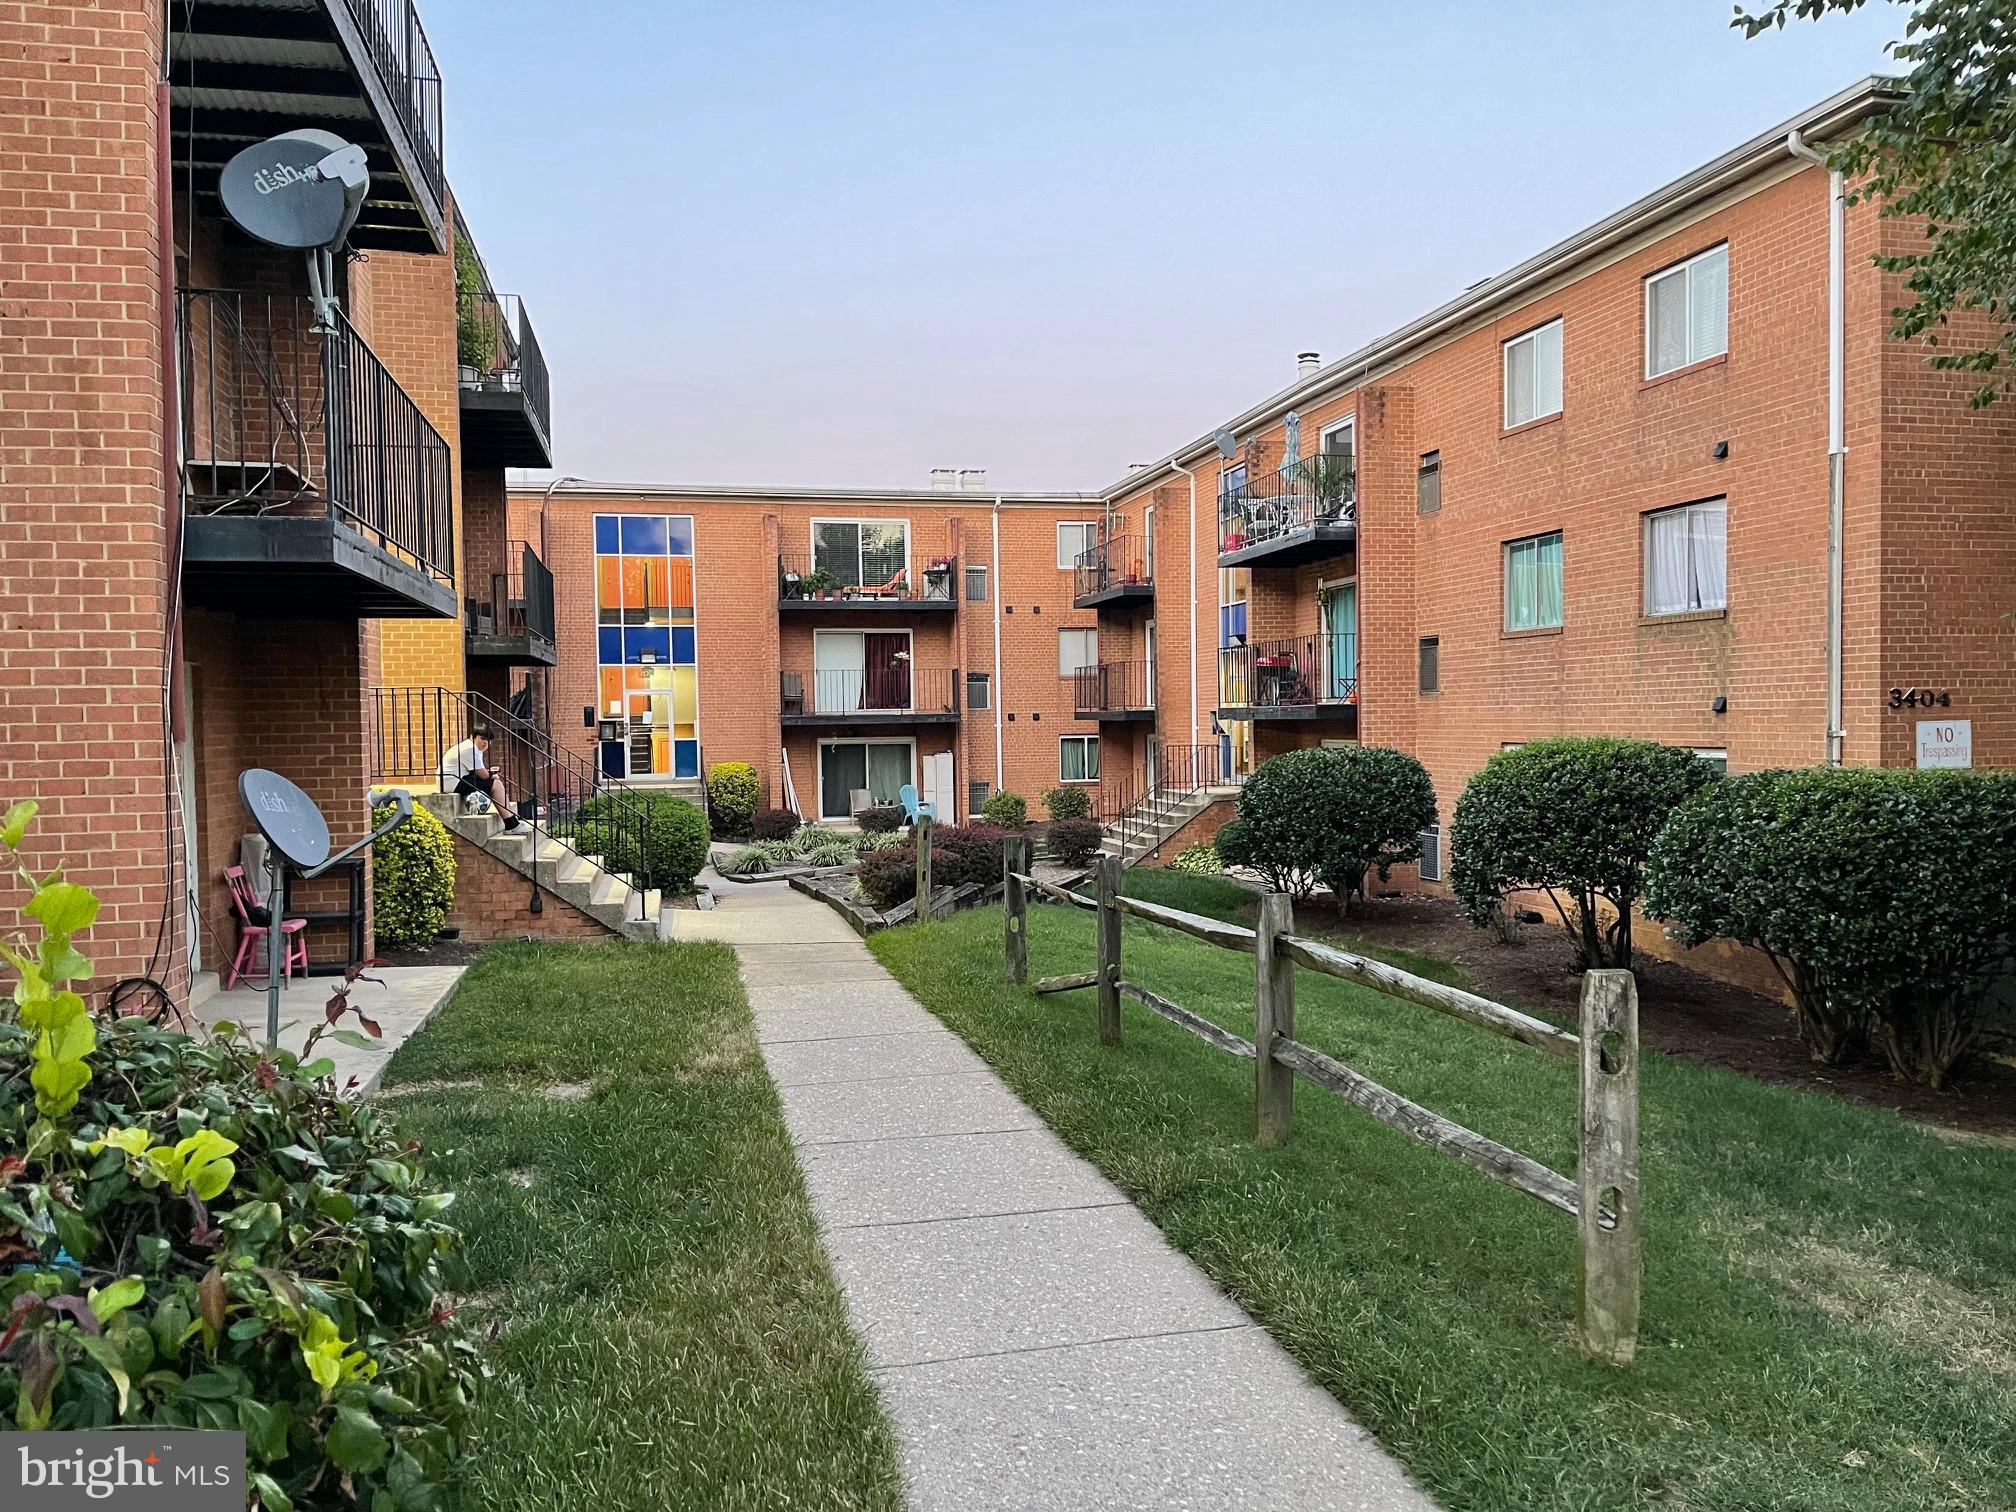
(1921, 698)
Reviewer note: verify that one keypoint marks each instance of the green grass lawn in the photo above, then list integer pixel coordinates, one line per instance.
(670, 1335)
(1830, 1292)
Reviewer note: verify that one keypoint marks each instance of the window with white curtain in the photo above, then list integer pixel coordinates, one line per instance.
(1533, 375)
(1078, 758)
(1533, 583)
(1075, 649)
(1687, 312)
(1687, 558)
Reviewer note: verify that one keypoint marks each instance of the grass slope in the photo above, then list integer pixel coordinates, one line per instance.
(1830, 1305)
(670, 1334)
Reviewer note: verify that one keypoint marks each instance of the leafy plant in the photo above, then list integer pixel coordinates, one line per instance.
(885, 840)
(887, 877)
(1234, 844)
(881, 819)
(196, 1234)
(1008, 810)
(412, 880)
(674, 832)
(960, 853)
(1073, 842)
(1882, 897)
(1067, 802)
(1198, 861)
(1330, 814)
(1574, 818)
(774, 824)
(733, 790)
(750, 861)
(477, 337)
(1333, 483)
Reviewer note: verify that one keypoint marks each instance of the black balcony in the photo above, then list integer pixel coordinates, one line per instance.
(244, 70)
(1305, 677)
(1305, 512)
(866, 582)
(311, 483)
(507, 418)
(1115, 692)
(1114, 572)
(853, 697)
(507, 614)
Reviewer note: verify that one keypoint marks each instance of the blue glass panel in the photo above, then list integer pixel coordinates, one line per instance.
(605, 535)
(679, 535)
(682, 645)
(685, 758)
(655, 639)
(1238, 613)
(643, 535)
(609, 646)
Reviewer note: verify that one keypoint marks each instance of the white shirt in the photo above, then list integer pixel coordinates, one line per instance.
(461, 761)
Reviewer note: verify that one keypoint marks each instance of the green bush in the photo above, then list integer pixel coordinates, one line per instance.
(732, 793)
(1067, 803)
(1884, 898)
(1073, 842)
(412, 880)
(196, 1234)
(1198, 861)
(675, 836)
(1332, 813)
(960, 853)
(1234, 843)
(883, 819)
(1006, 810)
(887, 877)
(1575, 818)
(774, 824)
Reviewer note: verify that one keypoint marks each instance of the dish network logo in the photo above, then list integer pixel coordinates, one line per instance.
(101, 1476)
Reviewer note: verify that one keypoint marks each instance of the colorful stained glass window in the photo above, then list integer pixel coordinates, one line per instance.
(647, 647)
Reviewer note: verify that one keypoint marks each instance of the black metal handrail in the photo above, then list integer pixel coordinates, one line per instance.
(517, 365)
(405, 63)
(1112, 687)
(555, 791)
(1290, 673)
(280, 418)
(1320, 490)
(520, 600)
(874, 575)
(1118, 562)
(1131, 808)
(901, 689)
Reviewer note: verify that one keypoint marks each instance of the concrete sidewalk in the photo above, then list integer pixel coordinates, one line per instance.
(1037, 1342)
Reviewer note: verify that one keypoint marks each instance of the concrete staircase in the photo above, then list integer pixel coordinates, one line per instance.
(581, 882)
(1151, 822)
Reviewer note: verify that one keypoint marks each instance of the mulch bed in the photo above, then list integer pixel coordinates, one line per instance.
(440, 953)
(1680, 1012)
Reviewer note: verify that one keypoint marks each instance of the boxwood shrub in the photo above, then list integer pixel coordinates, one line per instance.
(1330, 814)
(675, 837)
(1006, 810)
(1067, 802)
(412, 880)
(1073, 842)
(732, 794)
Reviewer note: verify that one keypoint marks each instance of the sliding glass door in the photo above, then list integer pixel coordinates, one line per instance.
(880, 767)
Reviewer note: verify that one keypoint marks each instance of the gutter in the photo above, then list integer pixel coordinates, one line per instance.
(1000, 757)
(1192, 557)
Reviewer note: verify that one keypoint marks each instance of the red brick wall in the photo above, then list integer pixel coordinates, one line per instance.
(493, 902)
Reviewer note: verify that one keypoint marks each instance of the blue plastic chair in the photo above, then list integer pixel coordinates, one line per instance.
(911, 807)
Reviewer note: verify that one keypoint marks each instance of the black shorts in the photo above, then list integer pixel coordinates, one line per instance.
(469, 783)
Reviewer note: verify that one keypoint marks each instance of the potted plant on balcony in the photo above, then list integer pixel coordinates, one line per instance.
(1331, 482)
(476, 335)
(938, 578)
(820, 584)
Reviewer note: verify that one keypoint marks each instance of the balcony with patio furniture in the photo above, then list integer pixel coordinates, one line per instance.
(1115, 693)
(507, 612)
(506, 397)
(1306, 511)
(1305, 677)
(866, 571)
(882, 691)
(1118, 573)
(311, 483)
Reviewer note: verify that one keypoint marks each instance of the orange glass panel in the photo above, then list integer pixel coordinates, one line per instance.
(609, 589)
(633, 585)
(661, 750)
(682, 583)
(653, 602)
(612, 688)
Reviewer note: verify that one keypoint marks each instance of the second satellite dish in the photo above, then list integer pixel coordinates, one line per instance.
(301, 189)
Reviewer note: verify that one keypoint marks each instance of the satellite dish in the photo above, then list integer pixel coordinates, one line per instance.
(301, 189)
(1228, 444)
(286, 816)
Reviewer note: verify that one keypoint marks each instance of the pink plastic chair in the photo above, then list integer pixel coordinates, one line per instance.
(293, 932)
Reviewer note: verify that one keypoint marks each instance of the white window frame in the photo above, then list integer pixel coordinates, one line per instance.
(1348, 423)
(1064, 630)
(1718, 505)
(1524, 340)
(1714, 753)
(1685, 270)
(1087, 536)
(985, 587)
(812, 541)
(1505, 582)
(1090, 742)
(819, 766)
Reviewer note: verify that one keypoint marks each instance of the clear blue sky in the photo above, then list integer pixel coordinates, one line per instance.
(844, 243)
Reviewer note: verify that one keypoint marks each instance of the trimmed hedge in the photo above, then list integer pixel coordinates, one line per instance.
(774, 824)
(883, 819)
(1067, 802)
(1073, 842)
(733, 792)
(412, 880)
(1884, 898)
(1574, 817)
(1008, 810)
(675, 838)
(960, 853)
(1330, 814)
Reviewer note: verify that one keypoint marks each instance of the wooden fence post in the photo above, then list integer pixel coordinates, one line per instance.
(1109, 950)
(922, 911)
(1015, 907)
(1273, 1017)
(1606, 1178)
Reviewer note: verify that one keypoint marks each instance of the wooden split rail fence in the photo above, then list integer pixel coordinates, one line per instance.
(1602, 1197)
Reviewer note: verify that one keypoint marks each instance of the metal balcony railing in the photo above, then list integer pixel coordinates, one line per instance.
(1119, 562)
(1321, 490)
(1296, 672)
(520, 597)
(840, 692)
(494, 329)
(1113, 688)
(281, 419)
(874, 574)
(405, 63)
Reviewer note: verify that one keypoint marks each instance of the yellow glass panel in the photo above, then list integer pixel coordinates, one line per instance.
(685, 694)
(661, 710)
(686, 731)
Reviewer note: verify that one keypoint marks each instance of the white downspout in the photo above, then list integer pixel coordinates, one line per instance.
(1000, 586)
(1191, 556)
(1837, 449)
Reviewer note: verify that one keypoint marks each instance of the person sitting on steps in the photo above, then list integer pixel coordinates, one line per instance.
(465, 770)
